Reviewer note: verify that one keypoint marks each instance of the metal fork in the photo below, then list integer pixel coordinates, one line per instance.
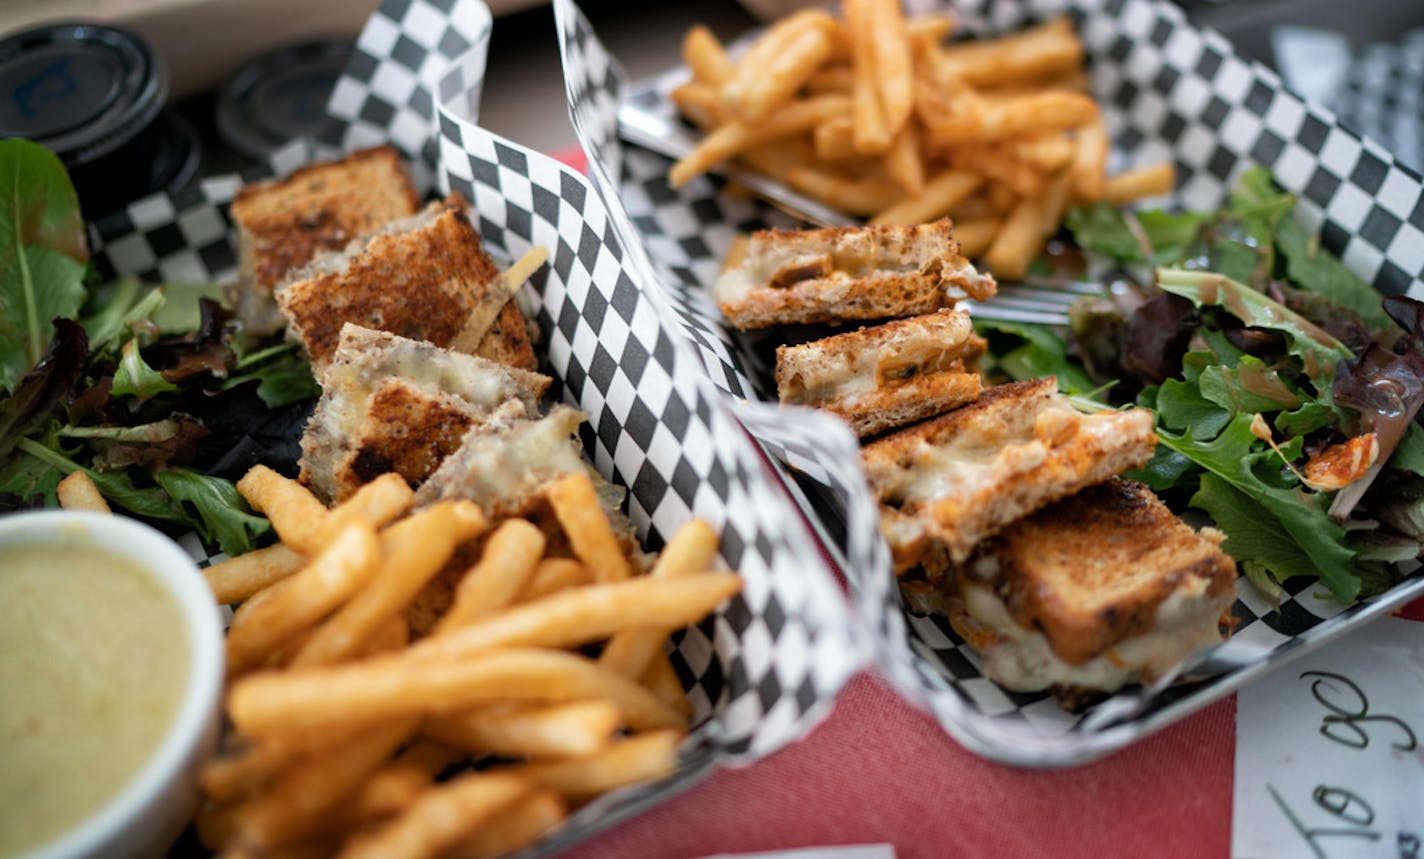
(1042, 302)
(1033, 301)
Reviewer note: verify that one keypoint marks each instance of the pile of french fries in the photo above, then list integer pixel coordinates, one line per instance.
(879, 117)
(348, 716)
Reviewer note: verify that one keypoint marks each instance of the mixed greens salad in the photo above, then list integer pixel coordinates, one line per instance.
(1286, 392)
(152, 390)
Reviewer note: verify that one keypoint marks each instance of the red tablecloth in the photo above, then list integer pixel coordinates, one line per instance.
(879, 770)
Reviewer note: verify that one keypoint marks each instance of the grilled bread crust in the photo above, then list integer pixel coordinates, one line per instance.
(393, 404)
(885, 376)
(782, 277)
(285, 223)
(1091, 570)
(959, 478)
(420, 278)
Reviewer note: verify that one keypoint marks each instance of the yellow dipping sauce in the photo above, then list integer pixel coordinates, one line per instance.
(93, 662)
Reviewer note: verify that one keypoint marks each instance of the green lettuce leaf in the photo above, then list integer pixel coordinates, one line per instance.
(1234, 457)
(135, 378)
(43, 254)
(1042, 353)
(214, 506)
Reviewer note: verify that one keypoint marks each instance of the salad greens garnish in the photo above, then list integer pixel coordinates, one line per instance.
(43, 254)
(1268, 366)
(150, 390)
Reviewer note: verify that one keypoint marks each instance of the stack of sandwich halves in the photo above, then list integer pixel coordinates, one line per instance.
(1001, 505)
(424, 359)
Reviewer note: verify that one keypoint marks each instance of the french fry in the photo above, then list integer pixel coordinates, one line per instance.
(394, 634)
(661, 679)
(412, 552)
(78, 492)
(1047, 50)
(929, 30)
(1047, 153)
(1036, 113)
(295, 513)
(586, 614)
(575, 503)
(1018, 241)
(998, 165)
(510, 557)
(734, 138)
(903, 163)
(778, 157)
(554, 575)
(215, 824)
(558, 730)
(636, 759)
(392, 687)
(1090, 159)
(834, 140)
(300, 600)
(698, 102)
(519, 824)
(236, 579)
(374, 504)
(975, 236)
(778, 64)
(228, 776)
(940, 194)
(294, 806)
(392, 788)
(872, 132)
(691, 550)
(890, 58)
(704, 55)
(833, 79)
(441, 818)
(856, 196)
(1149, 181)
(1055, 204)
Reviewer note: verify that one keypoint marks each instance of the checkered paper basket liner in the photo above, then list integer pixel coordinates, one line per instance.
(1169, 91)
(763, 670)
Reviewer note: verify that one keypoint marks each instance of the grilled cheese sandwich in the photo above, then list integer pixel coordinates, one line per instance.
(956, 479)
(776, 277)
(421, 277)
(1098, 590)
(888, 375)
(285, 223)
(393, 404)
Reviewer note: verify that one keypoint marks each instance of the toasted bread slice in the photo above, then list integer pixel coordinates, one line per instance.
(504, 464)
(778, 277)
(285, 223)
(1097, 590)
(963, 476)
(389, 403)
(888, 375)
(422, 277)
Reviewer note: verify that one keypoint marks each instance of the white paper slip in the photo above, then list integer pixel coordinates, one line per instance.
(1330, 751)
(851, 851)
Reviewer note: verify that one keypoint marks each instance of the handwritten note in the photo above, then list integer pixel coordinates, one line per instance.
(1330, 751)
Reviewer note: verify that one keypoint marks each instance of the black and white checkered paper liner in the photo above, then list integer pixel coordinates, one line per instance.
(1169, 91)
(763, 670)
(1382, 96)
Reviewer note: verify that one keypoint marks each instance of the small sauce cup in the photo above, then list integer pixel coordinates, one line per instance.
(149, 809)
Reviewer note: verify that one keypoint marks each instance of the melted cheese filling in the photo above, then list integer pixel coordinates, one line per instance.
(1023, 660)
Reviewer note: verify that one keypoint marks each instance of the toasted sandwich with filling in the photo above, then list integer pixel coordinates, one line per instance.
(389, 403)
(779, 277)
(952, 481)
(885, 376)
(426, 277)
(285, 223)
(1102, 589)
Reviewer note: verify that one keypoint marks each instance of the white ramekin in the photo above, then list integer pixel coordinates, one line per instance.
(149, 812)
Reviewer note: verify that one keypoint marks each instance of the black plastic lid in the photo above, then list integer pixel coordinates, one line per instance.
(280, 96)
(82, 90)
